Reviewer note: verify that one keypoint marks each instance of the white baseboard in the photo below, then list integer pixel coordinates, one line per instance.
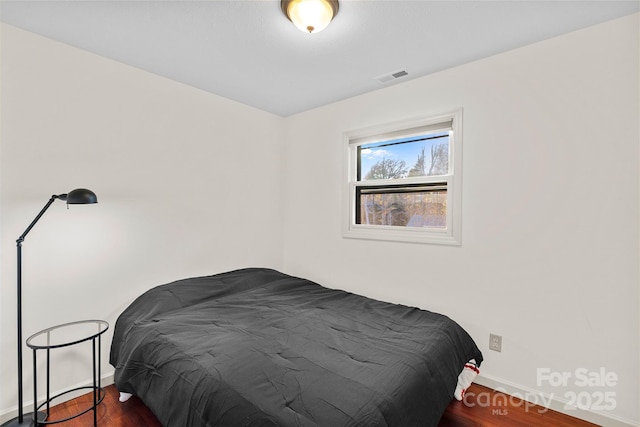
(552, 402)
(11, 413)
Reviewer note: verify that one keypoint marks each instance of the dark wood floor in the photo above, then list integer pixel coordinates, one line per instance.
(481, 407)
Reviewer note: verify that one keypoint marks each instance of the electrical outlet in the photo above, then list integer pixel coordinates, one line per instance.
(495, 342)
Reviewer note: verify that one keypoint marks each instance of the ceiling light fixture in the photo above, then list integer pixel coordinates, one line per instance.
(310, 16)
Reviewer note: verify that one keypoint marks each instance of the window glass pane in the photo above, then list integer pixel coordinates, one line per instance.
(424, 155)
(417, 208)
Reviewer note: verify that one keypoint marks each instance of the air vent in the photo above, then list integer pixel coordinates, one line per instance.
(392, 76)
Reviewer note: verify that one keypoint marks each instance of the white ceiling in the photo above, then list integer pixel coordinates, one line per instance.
(249, 52)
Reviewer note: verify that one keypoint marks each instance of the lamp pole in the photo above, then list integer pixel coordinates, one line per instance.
(78, 196)
(19, 308)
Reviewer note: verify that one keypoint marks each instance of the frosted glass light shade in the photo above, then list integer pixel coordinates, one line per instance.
(310, 16)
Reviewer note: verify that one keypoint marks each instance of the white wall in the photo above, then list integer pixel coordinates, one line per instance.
(188, 184)
(549, 255)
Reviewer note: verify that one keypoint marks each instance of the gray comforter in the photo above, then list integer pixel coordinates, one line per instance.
(256, 347)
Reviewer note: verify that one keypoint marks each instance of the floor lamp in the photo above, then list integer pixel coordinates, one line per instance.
(79, 196)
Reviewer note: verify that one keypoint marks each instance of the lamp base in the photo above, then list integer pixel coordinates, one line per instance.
(27, 420)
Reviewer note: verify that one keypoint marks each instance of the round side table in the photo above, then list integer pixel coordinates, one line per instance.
(66, 335)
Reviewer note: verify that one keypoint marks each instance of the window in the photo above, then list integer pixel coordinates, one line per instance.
(404, 179)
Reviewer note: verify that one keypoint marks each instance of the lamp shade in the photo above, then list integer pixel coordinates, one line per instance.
(310, 16)
(81, 196)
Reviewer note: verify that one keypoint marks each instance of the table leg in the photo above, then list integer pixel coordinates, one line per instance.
(95, 400)
(35, 389)
(99, 362)
(48, 382)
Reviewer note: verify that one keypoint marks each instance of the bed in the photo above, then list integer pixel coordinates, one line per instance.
(256, 347)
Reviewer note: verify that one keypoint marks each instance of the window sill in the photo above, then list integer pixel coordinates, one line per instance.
(397, 234)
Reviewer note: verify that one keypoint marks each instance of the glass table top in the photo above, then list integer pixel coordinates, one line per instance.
(67, 334)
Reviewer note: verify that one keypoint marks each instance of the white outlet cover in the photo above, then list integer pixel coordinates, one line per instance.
(495, 342)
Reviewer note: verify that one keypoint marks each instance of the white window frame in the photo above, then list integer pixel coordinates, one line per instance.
(451, 235)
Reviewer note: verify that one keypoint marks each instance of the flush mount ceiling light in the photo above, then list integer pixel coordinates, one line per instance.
(310, 16)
